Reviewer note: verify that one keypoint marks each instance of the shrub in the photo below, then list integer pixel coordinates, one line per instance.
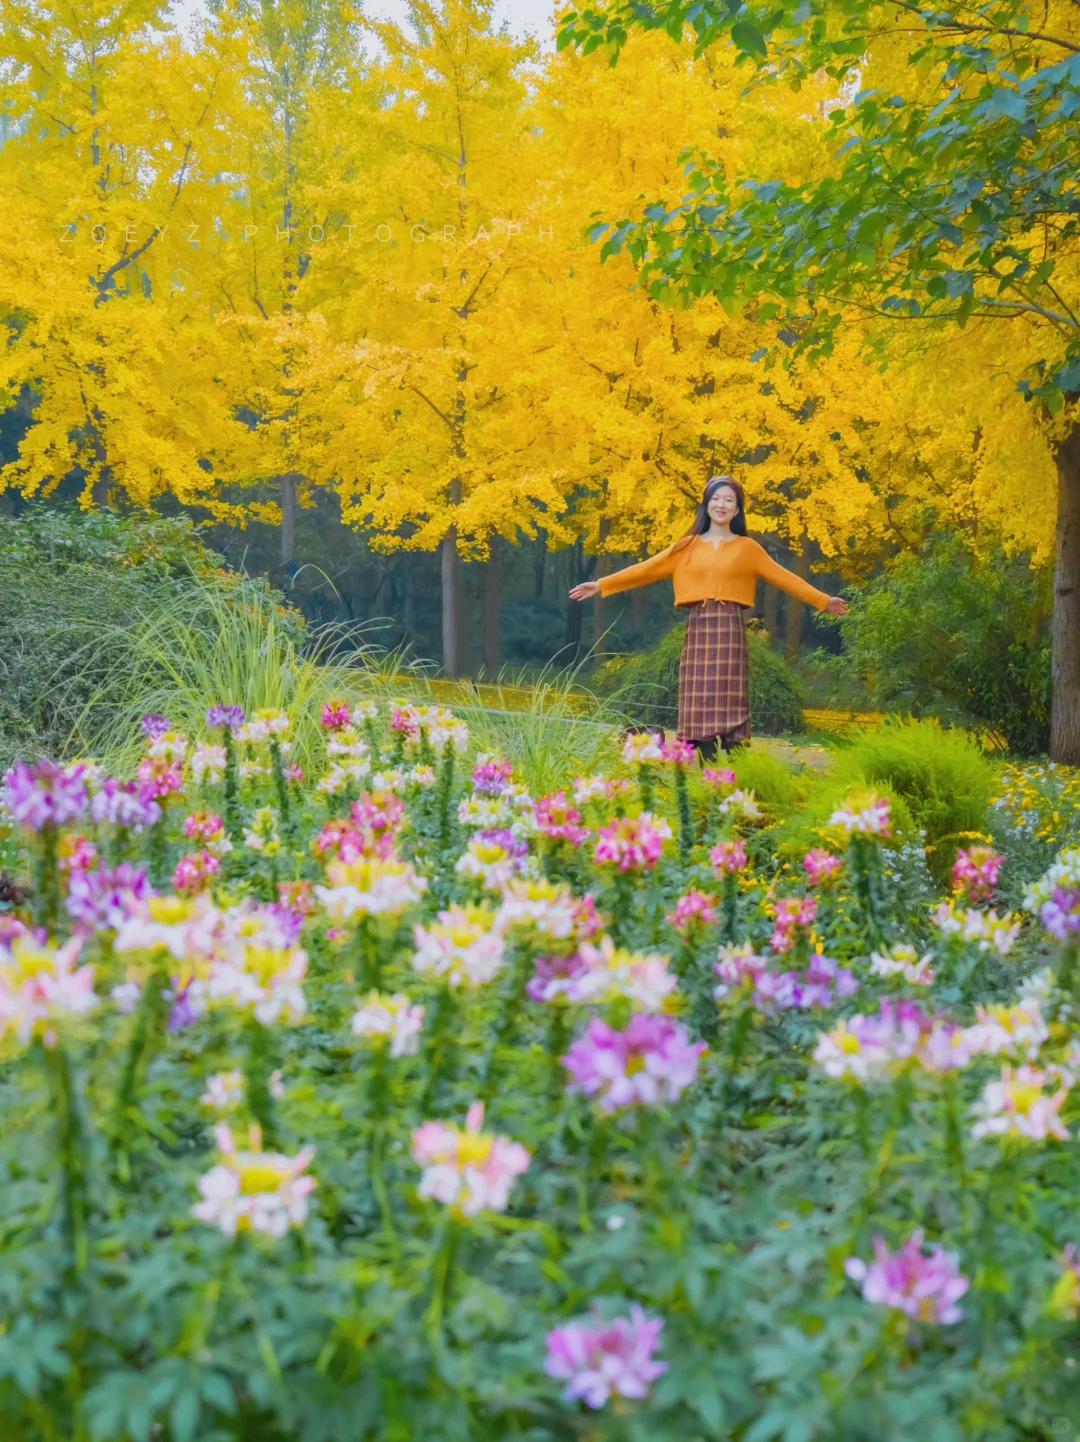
(646, 687)
(87, 602)
(942, 776)
(947, 634)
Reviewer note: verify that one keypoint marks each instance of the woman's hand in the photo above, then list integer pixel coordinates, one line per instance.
(585, 591)
(835, 605)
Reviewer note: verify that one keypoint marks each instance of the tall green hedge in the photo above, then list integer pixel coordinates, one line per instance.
(646, 687)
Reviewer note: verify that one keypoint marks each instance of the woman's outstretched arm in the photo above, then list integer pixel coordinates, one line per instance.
(779, 576)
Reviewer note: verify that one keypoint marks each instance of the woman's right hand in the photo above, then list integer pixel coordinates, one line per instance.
(585, 591)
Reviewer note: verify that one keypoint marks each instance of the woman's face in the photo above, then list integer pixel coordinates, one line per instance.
(723, 506)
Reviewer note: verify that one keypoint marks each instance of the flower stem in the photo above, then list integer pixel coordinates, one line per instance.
(72, 1154)
(258, 1066)
(47, 880)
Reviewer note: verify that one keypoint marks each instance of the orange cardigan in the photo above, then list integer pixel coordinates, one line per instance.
(703, 572)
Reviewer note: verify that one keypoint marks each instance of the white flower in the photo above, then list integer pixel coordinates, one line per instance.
(740, 803)
(393, 1017)
(370, 886)
(254, 1191)
(465, 945)
(224, 1090)
(207, 762)
(902, 961)
(1064, 875)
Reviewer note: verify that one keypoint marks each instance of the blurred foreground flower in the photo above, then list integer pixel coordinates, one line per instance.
(694, 908)
(728, 857)
(370, 886)
(1017, 1106)
(652, 1061)
(822, 867)
(864, 816)
(44, 795)
(390, 1018)
(254, 1191)
(471, 1170)
(633, 843)
(41, 985)
(599, 1359)
(975, 872)
(465, 945)
(904, 962)
(986, 929)
(924, 1288)
(609, 972)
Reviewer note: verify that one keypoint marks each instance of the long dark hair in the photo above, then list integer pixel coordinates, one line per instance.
(702, 521)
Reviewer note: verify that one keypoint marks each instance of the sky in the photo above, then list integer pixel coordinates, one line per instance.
(533, 17)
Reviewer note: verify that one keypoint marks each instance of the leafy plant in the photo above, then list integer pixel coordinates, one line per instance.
(967, 639)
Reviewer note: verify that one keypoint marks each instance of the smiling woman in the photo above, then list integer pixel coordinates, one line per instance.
(715, 568)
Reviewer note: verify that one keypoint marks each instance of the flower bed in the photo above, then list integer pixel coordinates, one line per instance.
(397, 1102)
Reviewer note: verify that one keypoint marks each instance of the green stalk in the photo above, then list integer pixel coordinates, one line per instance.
(150, 1019)
(686, 817)
(232, 787)
(280, 784)
(445, 796)
(47, 879)
(729, 908)
(72, 1155)
(258, 1066)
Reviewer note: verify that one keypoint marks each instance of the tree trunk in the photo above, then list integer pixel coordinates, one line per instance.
(1065, 630)
(287, 499)
(793, 631)
(492, 602)
(451, 604)
(539, 566)
(576, 572)
(770, 612)
(604, 567)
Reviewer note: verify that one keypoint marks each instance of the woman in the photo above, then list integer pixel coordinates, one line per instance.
(714, 567)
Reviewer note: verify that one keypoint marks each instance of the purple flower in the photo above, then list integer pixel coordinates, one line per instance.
(230, 716)
(597, 1358)
(124, 803)
(186, 1009)
(491, 776)
(552, 975)
(507, 840)
(44, 795)
(1061, 914)
(102, 900)
(153, 725)
(653, 1060)
(924, 1288)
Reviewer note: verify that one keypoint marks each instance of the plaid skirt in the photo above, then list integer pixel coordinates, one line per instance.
(714, 674)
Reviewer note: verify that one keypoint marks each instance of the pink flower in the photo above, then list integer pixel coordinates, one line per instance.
(41, 984)
(695, 908)
(653, 1060)
(722, 777)
(194, 871)
(598, 1359)
(204, 826)
(821, 867)
(471, 1170)
(792, 915)
(559, 820)
(1061, 914)
(976, 871)
(336, 715)
(294, 774)
(491, 775)
(677, 752)
(728, 857)
(633, 843)
(44, 795)
(926, 1289)
(161, 777)
(82, 856)
(102, 900)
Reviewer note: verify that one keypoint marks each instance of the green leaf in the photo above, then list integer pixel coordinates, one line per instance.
(749, 39)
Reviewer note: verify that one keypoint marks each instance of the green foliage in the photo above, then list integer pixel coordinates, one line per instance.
(646, 687)
(727, 1211)
(948, 634)
(942, 776)
(105, 614)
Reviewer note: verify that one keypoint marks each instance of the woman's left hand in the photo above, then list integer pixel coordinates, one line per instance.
(836, 606)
